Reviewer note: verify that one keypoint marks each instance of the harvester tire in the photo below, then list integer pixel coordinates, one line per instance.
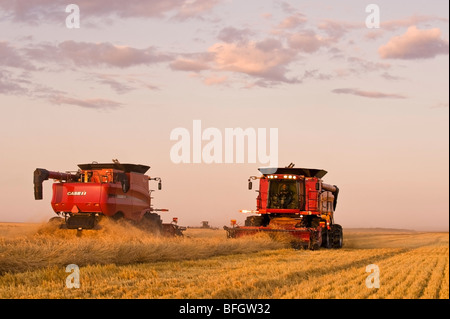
(337, 236)
(152, 223)
(254, 221)
(326, 238)
(297, 245)
(314, 240)
(117, 216)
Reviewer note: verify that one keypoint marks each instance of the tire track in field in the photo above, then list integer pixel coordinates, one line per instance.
(267, 287)
(444, 288)
(435, 258)
(348, 281)
(407, 275)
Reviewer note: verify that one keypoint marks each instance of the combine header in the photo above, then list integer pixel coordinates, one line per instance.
(293, 203)
(115, 190)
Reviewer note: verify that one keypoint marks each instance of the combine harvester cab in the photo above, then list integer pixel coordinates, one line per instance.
(293, 204)
(97, 190)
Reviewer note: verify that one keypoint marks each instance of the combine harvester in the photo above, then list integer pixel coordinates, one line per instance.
(294, 204)
(114, 190)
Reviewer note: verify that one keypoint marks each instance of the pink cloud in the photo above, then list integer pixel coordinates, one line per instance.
(43, 10)
(9, 84)
(105, 53)
(367, 66)
(267, 59)
(337, 29)
(190, 65)
(373, 35)
(215, 79)
(439, 105)
(96, 54)
(94, 103)
(195, 8)
(11, 57)
(267, 15)
(122, 83)
(393, 25)
(415, 44)
(234, 35)
(112, 81)
(292, 21)
(307, 41)
(368, 94)
(390, 77)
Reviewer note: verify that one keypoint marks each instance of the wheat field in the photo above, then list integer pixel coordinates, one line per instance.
(121, 261)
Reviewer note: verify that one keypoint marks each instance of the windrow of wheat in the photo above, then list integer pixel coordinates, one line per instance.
(116, 243)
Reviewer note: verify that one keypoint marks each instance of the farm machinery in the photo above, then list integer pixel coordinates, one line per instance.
(96, 190)
(293, 204)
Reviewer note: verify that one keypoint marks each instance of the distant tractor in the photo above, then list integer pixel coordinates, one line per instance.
(293, 203)
(114, 190)
(205, 224)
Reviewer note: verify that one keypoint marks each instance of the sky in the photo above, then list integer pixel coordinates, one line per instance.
(368, 105)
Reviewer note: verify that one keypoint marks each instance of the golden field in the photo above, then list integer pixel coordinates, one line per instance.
(120, 261)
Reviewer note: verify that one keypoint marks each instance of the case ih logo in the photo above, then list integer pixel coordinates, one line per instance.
(76, 193)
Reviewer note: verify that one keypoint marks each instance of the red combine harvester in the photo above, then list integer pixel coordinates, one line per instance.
(115, 190)
(293, 203)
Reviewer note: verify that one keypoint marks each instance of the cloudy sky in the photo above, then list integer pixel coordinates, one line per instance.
(369, 105)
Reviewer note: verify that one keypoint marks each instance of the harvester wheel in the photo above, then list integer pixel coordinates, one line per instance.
(314, 242)
(297, 245)
(326, 238)
(152, 222)
(254, 221)
(337, 236)
(117, 216)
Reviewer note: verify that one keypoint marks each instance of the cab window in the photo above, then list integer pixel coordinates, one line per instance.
(285, 194)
